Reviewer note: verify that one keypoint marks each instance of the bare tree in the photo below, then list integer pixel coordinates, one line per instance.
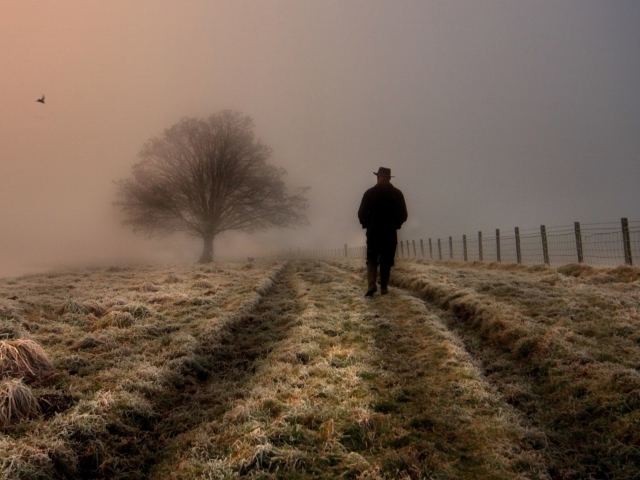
(206, 176)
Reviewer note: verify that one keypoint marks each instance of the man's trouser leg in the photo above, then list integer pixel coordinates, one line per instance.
(372, 264)
(387, 255)
(372, 273)
(385, 271)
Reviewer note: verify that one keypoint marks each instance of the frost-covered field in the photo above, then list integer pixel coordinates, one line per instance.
(284, 370)
(126, 345)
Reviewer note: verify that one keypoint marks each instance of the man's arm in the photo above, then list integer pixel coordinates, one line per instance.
(363, 211)
(402, 210)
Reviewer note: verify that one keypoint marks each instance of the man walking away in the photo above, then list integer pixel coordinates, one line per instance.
(382, 212)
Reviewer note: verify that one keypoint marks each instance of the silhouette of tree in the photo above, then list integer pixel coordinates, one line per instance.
(206, 176)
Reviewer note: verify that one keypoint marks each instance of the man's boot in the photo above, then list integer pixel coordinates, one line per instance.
(385, 271)
(372, 273)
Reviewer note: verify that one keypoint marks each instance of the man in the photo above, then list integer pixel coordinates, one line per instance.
(382, 212)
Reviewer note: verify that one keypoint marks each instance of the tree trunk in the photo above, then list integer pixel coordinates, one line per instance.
(207, 251)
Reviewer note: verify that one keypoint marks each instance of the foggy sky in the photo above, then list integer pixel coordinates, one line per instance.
(490, 114)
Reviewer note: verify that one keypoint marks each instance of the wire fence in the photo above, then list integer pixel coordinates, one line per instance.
(598, 245)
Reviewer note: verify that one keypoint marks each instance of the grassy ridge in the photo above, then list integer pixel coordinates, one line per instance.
(129, 346)
(562, 345)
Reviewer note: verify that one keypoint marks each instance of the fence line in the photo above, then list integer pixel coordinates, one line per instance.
(599, 245)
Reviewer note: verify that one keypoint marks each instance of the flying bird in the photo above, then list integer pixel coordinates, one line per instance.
(41, 100)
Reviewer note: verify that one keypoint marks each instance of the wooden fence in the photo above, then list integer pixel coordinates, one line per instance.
(600, 245)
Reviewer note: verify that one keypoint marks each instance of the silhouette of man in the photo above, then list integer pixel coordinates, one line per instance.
(382, 212)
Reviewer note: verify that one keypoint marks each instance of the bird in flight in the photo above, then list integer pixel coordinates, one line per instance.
(41, 100)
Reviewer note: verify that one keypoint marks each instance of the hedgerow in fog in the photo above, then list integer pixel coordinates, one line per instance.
(206, 176)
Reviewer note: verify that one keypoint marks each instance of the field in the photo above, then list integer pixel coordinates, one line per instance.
(282, 369)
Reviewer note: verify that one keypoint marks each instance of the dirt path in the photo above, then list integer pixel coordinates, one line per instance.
(320, 382)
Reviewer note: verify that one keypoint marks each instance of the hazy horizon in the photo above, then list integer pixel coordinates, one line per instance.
(490, 114)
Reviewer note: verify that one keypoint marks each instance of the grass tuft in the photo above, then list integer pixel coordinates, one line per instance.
(8, 310)
(138, 310)
(23, 358)
(172, 278)
(114, 318)
(576, 270)
(202, 284)
(626, 274)
(149, 287)
(34, 457)
(16, 402)
(9, 329)
(82, 308)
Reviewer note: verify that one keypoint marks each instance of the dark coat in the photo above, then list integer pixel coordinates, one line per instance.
(382, 209)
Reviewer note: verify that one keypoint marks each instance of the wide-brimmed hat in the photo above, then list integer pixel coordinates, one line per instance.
(383, 172)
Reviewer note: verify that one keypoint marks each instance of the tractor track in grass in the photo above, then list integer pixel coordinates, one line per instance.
(534, 332)
(283, 370)
(287, 372)
(199, 385)
(431, 361)
(559, 349)
(357, 389)
(224, 364)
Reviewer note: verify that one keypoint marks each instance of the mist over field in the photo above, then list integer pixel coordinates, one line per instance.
(490, 114)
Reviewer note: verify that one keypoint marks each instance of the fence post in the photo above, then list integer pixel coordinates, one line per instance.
(545, 245)
(480, 246)
(626, 240)
(346, 253)
(430, 250)
(402, 249)
(498, 245)
(451, 248)
(576, 226)
(422, 248)
(518, 251)
(439, 250)
(408, 251)
(464, 246)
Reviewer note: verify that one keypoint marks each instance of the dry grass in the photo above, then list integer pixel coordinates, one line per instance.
(562, 347)
(257, 370)
(16, 402)
(355, 390)
(32, 457)
(115, 318)
(129, 345)
(23, 358)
